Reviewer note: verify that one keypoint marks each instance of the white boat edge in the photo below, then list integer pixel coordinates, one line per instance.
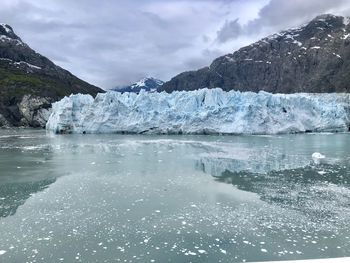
(325, 260)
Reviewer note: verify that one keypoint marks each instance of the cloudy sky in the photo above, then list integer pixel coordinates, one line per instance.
(115, 42)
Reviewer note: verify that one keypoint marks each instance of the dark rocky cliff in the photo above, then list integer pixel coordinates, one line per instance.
(312, 58)
(29, 82)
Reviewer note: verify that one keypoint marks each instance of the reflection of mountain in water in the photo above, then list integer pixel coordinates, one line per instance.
(320, 192)
(14, 195)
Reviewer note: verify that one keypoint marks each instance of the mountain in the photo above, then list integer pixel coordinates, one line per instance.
(147, 84)
(312, 58)
(29, 83)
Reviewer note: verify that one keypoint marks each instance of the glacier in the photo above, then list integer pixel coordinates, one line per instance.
(204, 111)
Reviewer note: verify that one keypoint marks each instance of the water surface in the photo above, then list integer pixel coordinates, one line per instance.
(121, 198)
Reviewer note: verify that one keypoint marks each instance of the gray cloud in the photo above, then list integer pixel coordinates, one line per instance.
(202, 59)
(281, 14)
(297, 11)
(230, 30)
(110, 43)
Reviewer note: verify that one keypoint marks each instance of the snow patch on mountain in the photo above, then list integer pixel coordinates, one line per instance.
(21, 64)
(205, 111)
(6, 27)
(26, 64)
(143, 82)
(147, 84)
(5, 39)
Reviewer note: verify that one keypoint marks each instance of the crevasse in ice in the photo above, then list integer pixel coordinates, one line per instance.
(205, 111)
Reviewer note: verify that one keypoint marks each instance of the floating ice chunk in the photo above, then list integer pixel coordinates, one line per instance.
(223, 251)
(2, 252)
(317, 157)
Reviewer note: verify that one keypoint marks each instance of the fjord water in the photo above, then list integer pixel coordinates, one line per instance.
(124, 198)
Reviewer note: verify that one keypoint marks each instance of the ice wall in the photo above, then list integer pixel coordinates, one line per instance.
(205, 111)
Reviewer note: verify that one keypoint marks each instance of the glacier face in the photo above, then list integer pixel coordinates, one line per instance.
(205, 111)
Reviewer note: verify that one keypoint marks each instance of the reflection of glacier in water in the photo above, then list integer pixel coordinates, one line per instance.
(321, 193)
(288, 179)
(262, 154)
(254, 161)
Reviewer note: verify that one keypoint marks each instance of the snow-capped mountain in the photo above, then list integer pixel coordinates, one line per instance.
(314, 57)
(148, 84)
(205, 111)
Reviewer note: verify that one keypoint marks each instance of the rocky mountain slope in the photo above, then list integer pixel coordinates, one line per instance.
(29, 83)
(312, 58)
(147, 84)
